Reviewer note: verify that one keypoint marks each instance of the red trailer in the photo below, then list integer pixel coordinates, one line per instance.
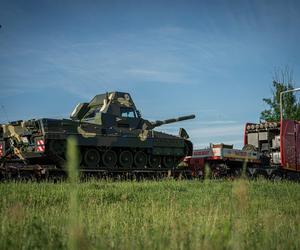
(222, 160)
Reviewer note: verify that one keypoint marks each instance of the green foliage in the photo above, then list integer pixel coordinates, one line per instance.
(291, 108)
(166, 214)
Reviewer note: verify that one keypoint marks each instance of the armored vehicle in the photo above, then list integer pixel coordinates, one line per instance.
(110, 134)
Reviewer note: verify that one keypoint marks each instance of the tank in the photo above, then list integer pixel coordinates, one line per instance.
(110, 133)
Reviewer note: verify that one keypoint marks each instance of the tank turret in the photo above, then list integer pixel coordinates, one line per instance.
(109, 110)
(117, 109)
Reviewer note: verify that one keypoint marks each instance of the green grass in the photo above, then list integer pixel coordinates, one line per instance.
(151, 215)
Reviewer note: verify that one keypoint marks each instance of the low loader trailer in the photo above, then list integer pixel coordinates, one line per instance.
(222, 160)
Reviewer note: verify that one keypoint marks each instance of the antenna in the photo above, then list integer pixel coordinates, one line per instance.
(4, 112)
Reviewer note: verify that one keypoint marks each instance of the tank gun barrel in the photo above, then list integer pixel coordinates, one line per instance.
(172, 120)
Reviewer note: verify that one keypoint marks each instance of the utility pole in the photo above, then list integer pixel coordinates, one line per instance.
(281, 95)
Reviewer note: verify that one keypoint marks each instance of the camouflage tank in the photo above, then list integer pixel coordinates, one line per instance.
(110, 133)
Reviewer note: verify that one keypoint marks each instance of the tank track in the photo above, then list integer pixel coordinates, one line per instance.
(20, 171)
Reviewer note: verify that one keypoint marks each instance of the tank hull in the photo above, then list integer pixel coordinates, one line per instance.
(48, 145)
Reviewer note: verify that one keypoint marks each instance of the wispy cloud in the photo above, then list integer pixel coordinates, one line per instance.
(230, 133)
(236, 143)
(161, 76)
(232, 130)
(171, 55)
(220, 122)
(204, 133)
(143, 72)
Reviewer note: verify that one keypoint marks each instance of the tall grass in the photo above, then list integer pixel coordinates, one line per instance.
(167, 214)
(151, 215)
(75, 228)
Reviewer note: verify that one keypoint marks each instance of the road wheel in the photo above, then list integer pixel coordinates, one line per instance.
(140, 159)
(109, 158)
(168, 161)
(154, 161)
(91, 157)
(57, 147)
(126, 159)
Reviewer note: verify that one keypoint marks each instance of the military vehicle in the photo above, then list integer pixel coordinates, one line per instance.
(110, 134)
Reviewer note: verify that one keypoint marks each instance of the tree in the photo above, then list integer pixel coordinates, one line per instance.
(282, 81)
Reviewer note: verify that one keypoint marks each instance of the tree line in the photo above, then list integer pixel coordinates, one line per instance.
(282, 81)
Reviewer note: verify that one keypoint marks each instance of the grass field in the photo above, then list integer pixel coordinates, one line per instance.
(151, 215)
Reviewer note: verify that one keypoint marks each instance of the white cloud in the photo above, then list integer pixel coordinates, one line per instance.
(204, 144)
(225, 133)
(121, 59)
(232, 130)
(143, 72)
(220, 122)
(204, 133)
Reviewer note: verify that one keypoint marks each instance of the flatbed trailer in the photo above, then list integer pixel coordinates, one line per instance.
(222, 160)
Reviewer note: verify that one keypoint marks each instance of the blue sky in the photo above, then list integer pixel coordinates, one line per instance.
(211, 58)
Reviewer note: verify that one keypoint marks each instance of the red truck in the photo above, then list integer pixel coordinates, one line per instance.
(271, 149)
